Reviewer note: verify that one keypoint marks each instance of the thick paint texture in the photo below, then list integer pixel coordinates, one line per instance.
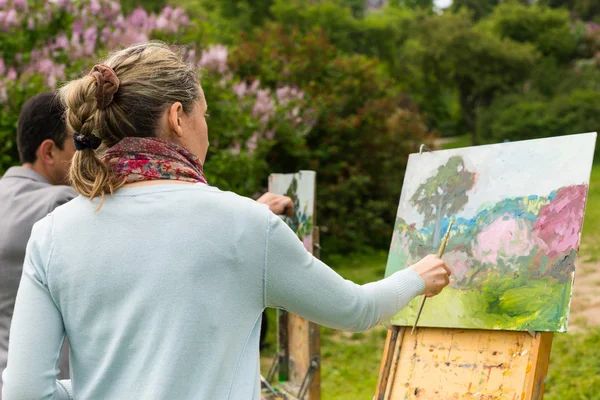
(300, 187)
(513, 256)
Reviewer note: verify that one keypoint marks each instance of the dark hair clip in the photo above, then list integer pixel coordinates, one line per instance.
(83, 142)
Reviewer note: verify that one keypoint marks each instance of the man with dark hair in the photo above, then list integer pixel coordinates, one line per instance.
(27, 194)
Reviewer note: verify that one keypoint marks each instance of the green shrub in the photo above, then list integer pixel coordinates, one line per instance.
(249, 122)
(364, 129)
(379, 34)
(517, 118)
(549, 30)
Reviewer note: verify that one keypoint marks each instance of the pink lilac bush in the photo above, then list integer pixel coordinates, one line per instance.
(251, 118)
(98, 25)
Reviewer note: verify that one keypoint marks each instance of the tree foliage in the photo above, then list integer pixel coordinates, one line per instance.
(363, 132)
(517, 118)
(585, 9)
(449, 51)
(370, 83)
(443, 194)
(547, 29)
(478, 8)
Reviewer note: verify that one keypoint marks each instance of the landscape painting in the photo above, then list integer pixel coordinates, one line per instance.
(518, 213)
(300, 187)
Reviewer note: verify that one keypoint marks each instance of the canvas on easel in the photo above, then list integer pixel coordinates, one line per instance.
(518, 213)
(298, 338)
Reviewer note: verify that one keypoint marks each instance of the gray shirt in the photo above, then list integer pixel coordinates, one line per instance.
(25, 198)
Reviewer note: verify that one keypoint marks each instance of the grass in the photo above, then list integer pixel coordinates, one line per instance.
(574, 367)
(350, 362)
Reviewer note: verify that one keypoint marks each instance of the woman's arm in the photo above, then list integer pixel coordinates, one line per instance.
(300, 283)
(37, 331)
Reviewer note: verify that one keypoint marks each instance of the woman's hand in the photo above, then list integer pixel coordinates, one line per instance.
(278, 204)
(434, 272)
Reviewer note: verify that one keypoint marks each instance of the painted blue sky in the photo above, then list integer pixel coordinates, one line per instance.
(506, 170)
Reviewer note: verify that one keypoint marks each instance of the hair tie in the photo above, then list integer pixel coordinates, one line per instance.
(83, 142)
(107, 84)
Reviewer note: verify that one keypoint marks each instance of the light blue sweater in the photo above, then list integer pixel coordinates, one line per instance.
(161, 291)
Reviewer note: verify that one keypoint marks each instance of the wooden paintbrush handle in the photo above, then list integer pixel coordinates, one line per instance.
(440, 254)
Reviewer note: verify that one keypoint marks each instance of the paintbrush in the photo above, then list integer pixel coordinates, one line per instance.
(440, 254)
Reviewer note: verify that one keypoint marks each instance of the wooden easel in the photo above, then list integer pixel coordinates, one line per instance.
(444, 364)
(299, 343)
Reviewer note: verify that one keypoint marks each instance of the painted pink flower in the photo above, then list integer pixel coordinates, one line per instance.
(502, 240)
(459, 263)
(2, 66)
(559, 223)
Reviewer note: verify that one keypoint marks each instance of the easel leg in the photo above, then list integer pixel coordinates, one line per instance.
(388, 361)
(540, 358)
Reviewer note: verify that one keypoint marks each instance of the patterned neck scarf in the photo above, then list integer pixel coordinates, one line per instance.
(143, 159)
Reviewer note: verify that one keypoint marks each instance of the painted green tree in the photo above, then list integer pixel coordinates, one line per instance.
(443, 194)
(301, 222)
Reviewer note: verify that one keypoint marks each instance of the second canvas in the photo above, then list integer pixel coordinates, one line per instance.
(518, 210)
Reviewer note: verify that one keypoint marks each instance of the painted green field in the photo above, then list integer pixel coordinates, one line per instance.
(520, 303)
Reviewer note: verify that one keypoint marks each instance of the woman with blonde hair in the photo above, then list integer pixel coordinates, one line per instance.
(158, 279)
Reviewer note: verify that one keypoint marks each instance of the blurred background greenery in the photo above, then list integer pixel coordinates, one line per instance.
(348, 88)
(373, 80)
